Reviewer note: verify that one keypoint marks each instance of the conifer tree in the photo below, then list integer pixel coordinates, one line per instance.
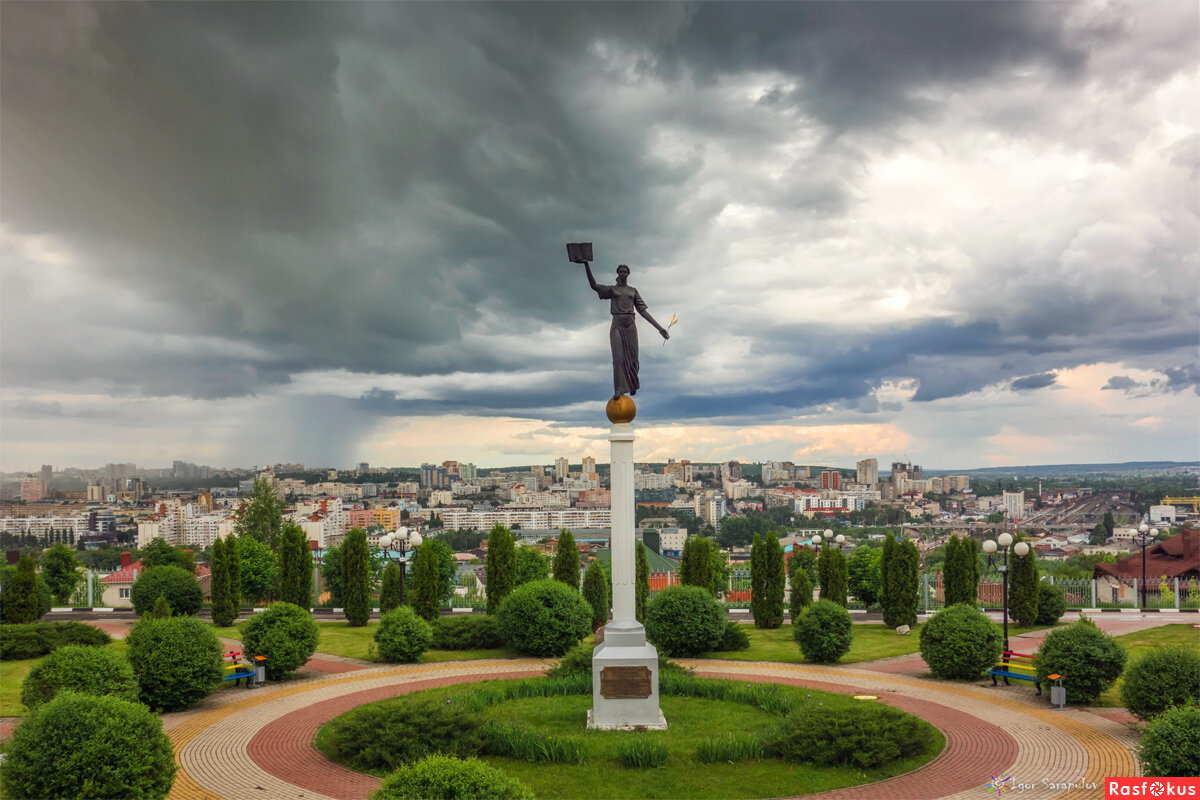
(642, 589)
(900, 584)
(887, 600)
(952, 577)
(838, 578)
(969, 553)
(596, 593)
(1023, 588)
(233, 554)
(824, 570)
(501, 567)
(389, 591)
(21, 595)
(758, 591)
(60, 572)
(695, 566)
(356, 575)
(219, 585)
(161, 610)
(425, 589)
(295, 566)
(801, 591)
(566, 560)
(768, 611)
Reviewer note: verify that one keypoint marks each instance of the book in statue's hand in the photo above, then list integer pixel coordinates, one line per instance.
(579, 252)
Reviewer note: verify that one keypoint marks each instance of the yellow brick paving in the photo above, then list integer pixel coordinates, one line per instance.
(1055, 748)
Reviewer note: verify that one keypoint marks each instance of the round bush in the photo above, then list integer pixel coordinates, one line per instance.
(1089, 659)
(179, 586)
(863, 737)
(177, 661)
(468, 632)
(685, 621)
(402, 635)
(823, 632)
(38, 638)
(10, 611)
(960, 643)
(393, 733)
(88, 670)
(447, 778)
(285, 633)
(544, 618)
(1170, 745)
(1164, 677)
(1051, 603)
(735, 638)
(85, 746)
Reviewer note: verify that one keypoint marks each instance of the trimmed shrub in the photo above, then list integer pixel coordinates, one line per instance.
(26, 595)
(735, 638)
(1170, 746)
(1089, 659)
(445, 778)
(285, 633)
(87, 670)
(960, 643)
(81, 745)
(396, 732)
(402, 635)
(685, 621)
(1051, 604)
(179, 586)
(468, 632)
(823, 632)
(1164, 677)
(39, 638)
(177, 661)
(865, 736)
(544, 618)
(161, 610)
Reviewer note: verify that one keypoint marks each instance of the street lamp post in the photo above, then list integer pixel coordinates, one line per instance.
(1005, 540)
(404, 540)
(1146, 537)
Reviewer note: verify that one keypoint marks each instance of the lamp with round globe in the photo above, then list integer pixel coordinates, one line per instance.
(1005, 541)
(1146, 536)
(404, 540)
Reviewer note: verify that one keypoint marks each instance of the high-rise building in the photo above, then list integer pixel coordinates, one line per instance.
(1014, 505)
(434, 477)
(47, 473)
(589, 466)
(561, 466)
(32, 489)
(868, 471)
(467, 472)
(831, 479)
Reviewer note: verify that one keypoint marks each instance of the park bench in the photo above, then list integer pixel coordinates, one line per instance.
(1016, 666)
(235, 670)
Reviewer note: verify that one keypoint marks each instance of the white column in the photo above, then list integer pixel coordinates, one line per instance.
(623, 537)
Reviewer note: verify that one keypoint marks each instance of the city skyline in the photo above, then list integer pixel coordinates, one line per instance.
(957, 234)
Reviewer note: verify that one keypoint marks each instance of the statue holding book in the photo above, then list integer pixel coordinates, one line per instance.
(624, 301)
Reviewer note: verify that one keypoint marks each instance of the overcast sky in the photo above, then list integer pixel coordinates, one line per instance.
(960, 233)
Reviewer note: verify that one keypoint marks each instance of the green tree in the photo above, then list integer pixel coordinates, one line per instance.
(500, 567)
(596, 593)
(60, 571)
(1109, 523)
(233, 553)
(1099, 534)
(261, 516)
(566, 560)
(295, 566)
(1023, 588)
(971, 555)
(766, 582)
(532, 565)
(801, 590)
(695, 565)
(887, 597)
(258, 568)
(642, 587)
(865, 579)
(806, 560)
(331, 574)
(219, 585)
(161, 610)
(836, 578)
(389, 592)
(356, 587)
(901, 585)
(426, 593)
(160, 554)
(447, 567)
(21, 595)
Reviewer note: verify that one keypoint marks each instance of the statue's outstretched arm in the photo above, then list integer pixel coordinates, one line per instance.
(591, 278)
(646, 315)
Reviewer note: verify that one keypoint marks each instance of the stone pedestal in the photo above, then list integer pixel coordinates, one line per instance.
(624, 666)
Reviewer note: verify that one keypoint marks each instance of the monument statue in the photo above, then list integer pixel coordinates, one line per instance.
(624, 300)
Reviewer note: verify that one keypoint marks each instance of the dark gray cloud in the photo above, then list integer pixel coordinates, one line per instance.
(1120, 382)
(1029, 382)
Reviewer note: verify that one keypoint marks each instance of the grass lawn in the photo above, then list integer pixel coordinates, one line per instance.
(692, 720)
(339, 639)
(13, 674)
(1139, 643)
(872, 641)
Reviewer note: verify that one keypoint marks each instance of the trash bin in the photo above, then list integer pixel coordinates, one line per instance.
(1058, 692)
(260, 670)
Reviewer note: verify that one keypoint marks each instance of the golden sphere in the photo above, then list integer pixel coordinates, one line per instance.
(621, 410)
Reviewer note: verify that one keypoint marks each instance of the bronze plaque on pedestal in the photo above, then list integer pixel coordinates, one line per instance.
(625, 682)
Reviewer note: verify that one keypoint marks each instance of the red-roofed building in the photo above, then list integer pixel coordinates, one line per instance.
(116, 586)
(1177, 557)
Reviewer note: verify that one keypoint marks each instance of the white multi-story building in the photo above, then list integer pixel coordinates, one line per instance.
(460, 489)
(561, 468)
(455, 519)
(1014, 505)
(736, 490)
(441, 497)
(542, 499)
(652, 480)
(868, 471)
(672, 540)
(42, 526)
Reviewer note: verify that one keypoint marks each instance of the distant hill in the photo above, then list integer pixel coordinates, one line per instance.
(1071, 470)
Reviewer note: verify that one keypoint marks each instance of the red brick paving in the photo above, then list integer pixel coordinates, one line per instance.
(330, 666)
(284, 748)
(6, 729)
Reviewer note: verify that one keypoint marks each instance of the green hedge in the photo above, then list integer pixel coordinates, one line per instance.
(87, 670)
(960, 643)
(176, 584)
(402, 635)
(39, 638)
(447, 778)
(824, 632)
(1089, 659)
(466, 632)
(391, 733)
(285, 633)
(863, 737)
(685, 621)
(1170, 745)
(85, 746)
(544, 618)
(1163, 677)
(177, 661)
